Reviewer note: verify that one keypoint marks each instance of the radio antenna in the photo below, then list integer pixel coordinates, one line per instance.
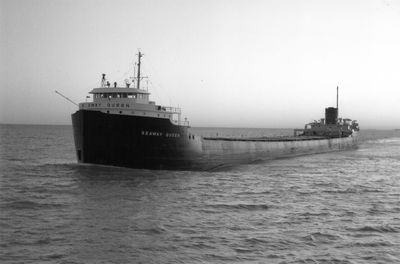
(66, 98)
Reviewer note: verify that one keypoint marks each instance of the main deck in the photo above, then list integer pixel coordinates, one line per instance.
(268, 139)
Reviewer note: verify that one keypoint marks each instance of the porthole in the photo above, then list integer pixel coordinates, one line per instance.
(120, 112)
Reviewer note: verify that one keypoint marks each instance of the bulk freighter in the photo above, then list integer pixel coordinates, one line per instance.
(122, 127)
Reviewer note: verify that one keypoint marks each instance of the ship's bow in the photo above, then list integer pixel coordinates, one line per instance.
(77, 125)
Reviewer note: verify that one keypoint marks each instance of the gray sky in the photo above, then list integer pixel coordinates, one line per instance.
(225, 63)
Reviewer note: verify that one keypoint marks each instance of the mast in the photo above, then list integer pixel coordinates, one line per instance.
(138, 73)
(337, 98)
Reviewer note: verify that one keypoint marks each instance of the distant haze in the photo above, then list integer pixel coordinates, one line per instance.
(225, 63)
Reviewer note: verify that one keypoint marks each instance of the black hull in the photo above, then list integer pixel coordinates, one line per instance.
(131, 141)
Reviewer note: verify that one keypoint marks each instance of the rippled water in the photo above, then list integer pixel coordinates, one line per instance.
(341, 207)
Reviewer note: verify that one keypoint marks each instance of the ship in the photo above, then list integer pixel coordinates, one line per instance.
(122, 127)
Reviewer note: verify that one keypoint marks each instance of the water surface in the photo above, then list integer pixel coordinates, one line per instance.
(339, 207)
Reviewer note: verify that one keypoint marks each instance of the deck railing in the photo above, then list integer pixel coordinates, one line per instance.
(176, 110)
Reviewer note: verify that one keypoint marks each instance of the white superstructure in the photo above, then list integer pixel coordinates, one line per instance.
(129, 101)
